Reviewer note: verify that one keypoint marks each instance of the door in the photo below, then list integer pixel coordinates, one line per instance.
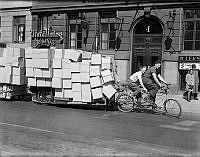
(147, 43)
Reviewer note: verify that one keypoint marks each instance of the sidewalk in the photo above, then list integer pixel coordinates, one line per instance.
(191, 107)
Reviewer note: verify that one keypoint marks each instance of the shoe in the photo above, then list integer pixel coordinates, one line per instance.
(188, 100)
(196, 99)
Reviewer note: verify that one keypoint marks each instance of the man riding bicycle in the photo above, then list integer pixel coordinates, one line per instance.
(153, 80)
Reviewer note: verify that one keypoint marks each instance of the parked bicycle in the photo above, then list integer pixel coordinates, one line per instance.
(126, 101)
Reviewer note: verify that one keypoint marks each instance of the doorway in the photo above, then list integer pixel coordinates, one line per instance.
(147, 42)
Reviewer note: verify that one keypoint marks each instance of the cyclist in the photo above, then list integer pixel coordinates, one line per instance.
(135, 81)
(153, 80)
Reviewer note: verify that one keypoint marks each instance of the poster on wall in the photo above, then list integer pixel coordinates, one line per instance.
(187, 66)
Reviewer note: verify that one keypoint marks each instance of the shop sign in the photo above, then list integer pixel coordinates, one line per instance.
(189, 58)
(187, 66)
(46, 39)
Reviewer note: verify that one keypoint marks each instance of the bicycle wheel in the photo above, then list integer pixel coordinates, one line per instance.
(172, 107)
(125, 103)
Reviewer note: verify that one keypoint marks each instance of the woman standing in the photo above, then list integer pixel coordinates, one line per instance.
(189, 84)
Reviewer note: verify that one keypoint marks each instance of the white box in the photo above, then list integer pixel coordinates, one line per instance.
(18, 52)
(95, 70)
(57, 82)
(66, 64)
(75, 67)
(48, 82)
(76, 87)
(8, 52)
(42, 63)
(2, 61)
(105, 72)
(109, 91)
(57, 73)
(84, 67)
(47, 73)
(18, 79)
(76, 96)
(29, 63)
(59, 93)
(95, 81)
(68, 93)
(66, 73)
(76, 77)
(30, 72)
(57, 63)
(18, 71)
(58, 53)
(38, 72)
(96, 59)
(108, 78)
(41, 82)
(67, 83)
(72, 54)
(32, 81)
(86, 55)
(28, 52)
(85, 77)
(86, 93)
(97, 93)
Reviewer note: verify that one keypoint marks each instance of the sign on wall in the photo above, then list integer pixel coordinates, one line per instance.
(187, 66)
(46, 39)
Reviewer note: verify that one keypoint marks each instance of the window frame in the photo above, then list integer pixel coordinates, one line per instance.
(17, 34)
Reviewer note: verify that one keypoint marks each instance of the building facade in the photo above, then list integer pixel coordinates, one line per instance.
(133, 32)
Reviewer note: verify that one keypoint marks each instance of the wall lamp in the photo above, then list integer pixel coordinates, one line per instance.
(171, 20)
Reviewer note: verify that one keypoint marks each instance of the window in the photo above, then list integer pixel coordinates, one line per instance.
(45, 23)
(76, 30)
(191, 29)
(19, 29)
(0, 27)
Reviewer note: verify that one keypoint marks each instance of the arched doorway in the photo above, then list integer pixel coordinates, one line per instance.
(147, 42)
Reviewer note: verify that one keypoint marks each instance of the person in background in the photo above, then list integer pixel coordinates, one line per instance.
(135, 81)
(153, 80)
(189, 79)
(196, 81)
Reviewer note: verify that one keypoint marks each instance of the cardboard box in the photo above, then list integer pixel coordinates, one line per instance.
(57, 63)
(48, 82)
(18, 80)
(95, 81)
(76, 96)
(57, 73)
(18, 52)
(8, 52)
(86, 93)
(106, 63)
(95, 70)
(41, 82)
(42, 63)
(97, 93)
(47, 73)
(59, 93)
(76, 77)
(28, 52)
(2, 61)
(18, 71)
(108, 78)
(105, 72)
(57, 82)
(96, 59)
(58, 53)
(68, 93)
(85, 77)
(67, 83)
(66, 64)
(32, 81)
(72, 54)
(75, 67)
(66, 73)
(29, 63)
(86, 55)
(1, 52)
(84, 67)
(30, 72)
(38, 72)
(76, 87)
(109, 91)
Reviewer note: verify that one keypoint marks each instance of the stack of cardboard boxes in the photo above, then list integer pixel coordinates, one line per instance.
(75, 74)
(12, 70)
